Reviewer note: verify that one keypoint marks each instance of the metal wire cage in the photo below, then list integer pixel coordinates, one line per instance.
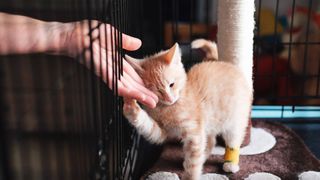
(60, 121)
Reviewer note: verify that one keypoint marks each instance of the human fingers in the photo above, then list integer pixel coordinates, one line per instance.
(139, 87)
(146, 95)
(127, 68)
(130, 43)
(126, 85)
(134, 94)
(109, 36)
(130, 76)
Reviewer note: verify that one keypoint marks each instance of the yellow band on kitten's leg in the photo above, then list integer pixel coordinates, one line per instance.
(231, 155)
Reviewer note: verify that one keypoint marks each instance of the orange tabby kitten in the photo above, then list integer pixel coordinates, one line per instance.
(213, 98)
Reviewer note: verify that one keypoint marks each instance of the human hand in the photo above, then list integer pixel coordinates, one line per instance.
(130, 84)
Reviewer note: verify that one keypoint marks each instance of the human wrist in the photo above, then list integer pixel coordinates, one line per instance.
(66, 38)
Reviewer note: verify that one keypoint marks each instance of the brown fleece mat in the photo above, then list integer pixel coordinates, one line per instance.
(287, 159)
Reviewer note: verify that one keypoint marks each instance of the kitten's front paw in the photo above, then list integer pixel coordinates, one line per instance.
(131, 110)
(230, 167)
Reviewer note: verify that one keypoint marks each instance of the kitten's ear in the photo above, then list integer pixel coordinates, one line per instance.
(135, 63)
(173, 55)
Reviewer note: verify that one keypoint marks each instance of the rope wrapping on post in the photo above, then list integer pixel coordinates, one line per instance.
(235, 39)
(235, 34)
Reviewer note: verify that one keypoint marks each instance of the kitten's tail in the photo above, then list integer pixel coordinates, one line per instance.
(209, 47)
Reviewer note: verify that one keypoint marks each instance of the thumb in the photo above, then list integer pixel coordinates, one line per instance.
(130, 43)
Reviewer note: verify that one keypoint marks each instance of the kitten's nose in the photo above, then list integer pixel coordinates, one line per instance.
(169, 98)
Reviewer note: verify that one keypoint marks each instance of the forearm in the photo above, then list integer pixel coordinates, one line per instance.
(20, 34)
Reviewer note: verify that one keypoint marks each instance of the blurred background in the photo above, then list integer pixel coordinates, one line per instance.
(57, 121)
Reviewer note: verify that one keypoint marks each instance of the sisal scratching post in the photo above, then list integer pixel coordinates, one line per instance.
(235, 37)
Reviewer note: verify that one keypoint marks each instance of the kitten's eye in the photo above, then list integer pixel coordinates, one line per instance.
(171, 85)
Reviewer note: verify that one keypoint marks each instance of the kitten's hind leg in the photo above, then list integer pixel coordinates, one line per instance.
(231, 160)
(211, 142)
(233, 139)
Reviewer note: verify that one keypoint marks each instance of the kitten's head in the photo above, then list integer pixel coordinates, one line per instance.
(162, 73)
